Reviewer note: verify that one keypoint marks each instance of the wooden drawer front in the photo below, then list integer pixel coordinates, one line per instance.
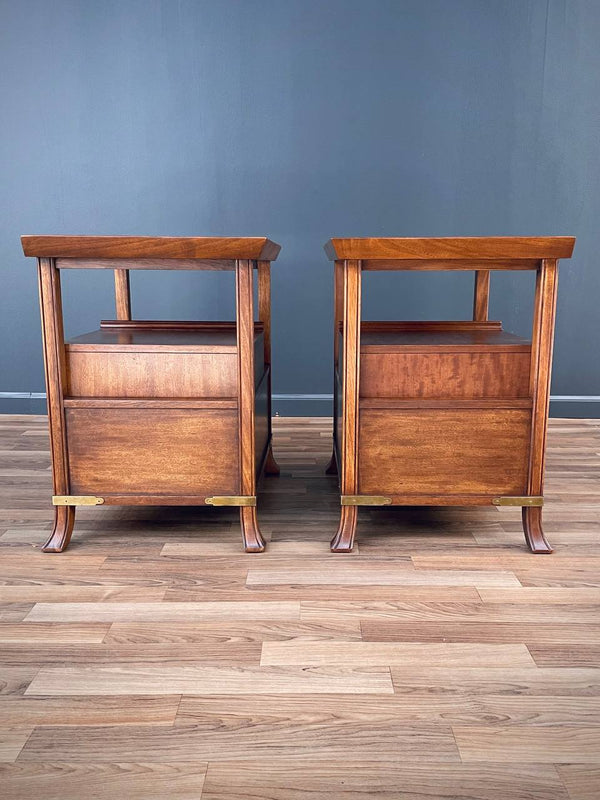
(151, 451)
(444, 452)
(151, 374)
(445, 375)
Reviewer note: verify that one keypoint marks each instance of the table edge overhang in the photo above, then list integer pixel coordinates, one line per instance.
(168, 247)
(451, 248)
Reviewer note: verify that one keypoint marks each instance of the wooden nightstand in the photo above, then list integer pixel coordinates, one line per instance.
(442, 413)
(154, 412)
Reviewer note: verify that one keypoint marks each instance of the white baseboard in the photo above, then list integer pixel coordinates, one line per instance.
(22, 395)
(575, 398)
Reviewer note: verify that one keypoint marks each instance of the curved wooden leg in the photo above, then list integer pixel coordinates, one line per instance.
(64, 519)
(251, 535)
(343, 541)
(331, 468)
(271, 466)
(532, 526)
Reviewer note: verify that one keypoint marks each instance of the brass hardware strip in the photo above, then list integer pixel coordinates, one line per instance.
(518, 501)
(225, 500)
(76, 500)
(364, 500)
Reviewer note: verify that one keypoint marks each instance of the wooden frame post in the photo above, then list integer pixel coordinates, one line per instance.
(264, 315)
(541, 368)
(481, 295)
(343, 541)
(251, 535)
(338, 313)
(122, 294)
(54, 364)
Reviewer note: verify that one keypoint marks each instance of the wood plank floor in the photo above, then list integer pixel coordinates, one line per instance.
(155, 660)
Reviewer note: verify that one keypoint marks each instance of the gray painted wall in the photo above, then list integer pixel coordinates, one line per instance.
(301, 119)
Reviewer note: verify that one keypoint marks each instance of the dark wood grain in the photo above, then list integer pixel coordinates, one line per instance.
(541, 369)
(437, 264)
(55, 370)
(444, 452)
(264, 314)
(251, 535)
(159, 412)
(338, 317)
(210, 264)
(448, 412)
(135, 247)
(122, 294)
(440, 337)
(152, 451)
(343, 541)
(161, 373)
(481, 295)
(406, 374)
(461, 248)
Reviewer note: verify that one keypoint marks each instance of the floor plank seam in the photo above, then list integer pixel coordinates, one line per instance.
(442, 638)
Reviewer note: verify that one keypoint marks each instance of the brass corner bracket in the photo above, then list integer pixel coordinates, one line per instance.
(518, 501)
(76, 500)
(225, 500)
(364, 500)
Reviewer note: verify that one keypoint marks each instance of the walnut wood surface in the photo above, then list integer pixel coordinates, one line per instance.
(205, 338)
(152, 402)
(457, 403)
(475, 248)
(338, 317)
(136, 247)
(452, 411)
(122, 294)
(447, 375)
(264, 315)
(158, 412)
(216, 327)
(350, 358)
(55, 371)
(210, 264)
(151, 374)
(131, 665)
(444, 327)
(541, 369)
(444, 452)
(244, 277)
(436, 264)
(427, 340)
(152, 451)
(262, 427)
(481, 295)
